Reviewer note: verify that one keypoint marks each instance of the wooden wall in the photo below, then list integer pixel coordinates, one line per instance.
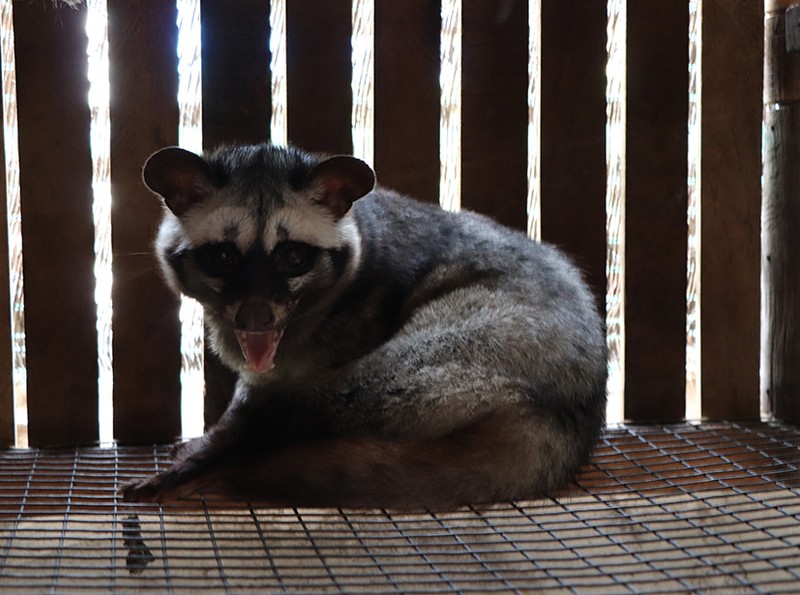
(56, 189)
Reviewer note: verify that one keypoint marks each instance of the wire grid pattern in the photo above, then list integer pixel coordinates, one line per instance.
(710, 508)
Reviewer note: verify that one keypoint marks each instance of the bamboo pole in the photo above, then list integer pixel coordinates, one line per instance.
(781, 213)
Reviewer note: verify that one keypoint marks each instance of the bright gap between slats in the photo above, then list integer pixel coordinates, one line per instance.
(100, 144)
(693, 404)
(278, 128)
(533, 203)
(190, 137)
(363, 79)
(14, 221)
(615, 208)
(450, 115)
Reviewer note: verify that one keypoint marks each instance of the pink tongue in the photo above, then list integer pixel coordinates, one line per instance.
(259, 348)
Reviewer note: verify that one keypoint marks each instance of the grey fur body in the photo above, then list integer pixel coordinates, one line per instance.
(425, 358)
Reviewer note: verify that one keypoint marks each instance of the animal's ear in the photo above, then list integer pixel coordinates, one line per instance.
(180, 177)
(340, 181)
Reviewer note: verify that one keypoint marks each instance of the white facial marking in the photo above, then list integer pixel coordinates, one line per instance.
(313, 226)
(209, 224)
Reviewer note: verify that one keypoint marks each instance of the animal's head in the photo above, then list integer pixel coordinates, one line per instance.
(255, 233)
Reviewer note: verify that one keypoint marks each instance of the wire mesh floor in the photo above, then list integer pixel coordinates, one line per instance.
(711, 508)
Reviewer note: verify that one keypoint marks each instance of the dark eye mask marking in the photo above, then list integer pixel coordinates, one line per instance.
(218, 259)
(292, 259)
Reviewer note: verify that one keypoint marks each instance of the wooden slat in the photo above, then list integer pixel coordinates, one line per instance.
(318, 86)
(655, 210)
(495, 109)
(7, 435)
(144, 118)
(733, 34)
(236, 109)
(236, 74)
(56, 187)
(781, 219)
(407, 97)
(573, 120)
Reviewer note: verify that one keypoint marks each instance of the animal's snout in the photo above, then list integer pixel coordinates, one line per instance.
(254, 315)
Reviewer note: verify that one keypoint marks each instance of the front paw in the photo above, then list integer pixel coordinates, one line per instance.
(173, 484)
(146, 490)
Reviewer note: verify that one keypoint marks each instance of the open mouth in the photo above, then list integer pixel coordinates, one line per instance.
(259, 348)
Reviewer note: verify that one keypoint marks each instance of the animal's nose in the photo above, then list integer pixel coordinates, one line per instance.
(254, 315)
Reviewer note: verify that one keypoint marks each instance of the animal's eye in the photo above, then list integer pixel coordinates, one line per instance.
(219, 260)
(293, 259)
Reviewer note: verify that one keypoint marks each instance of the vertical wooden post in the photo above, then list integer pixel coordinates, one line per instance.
(494, 112)
(236, 73)
(319, 73)
(144, 118)
(655, 209)
(57, 223)
(731, 120)
(407, 96)
(781, 211)
(573, 120)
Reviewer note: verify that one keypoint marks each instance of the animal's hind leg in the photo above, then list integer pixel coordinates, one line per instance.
(500, 457)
